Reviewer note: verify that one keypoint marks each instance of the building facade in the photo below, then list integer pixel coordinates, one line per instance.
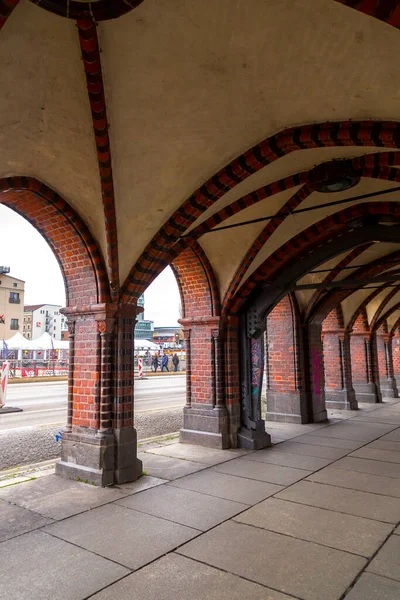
(168, 337)
(144, 329)
(11, 304)
(41, 318)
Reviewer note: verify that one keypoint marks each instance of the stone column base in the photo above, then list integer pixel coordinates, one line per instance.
(127, 466)
(205, 425)
(90, 456)
(341, 399)
(254, 439)
(388, 388)
(367, 392)
(286, 407)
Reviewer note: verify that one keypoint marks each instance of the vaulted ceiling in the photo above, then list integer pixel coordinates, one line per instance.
(162, 122)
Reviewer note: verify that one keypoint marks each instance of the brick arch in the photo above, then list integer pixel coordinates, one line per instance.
(69, 238)
(345, 133)
(102, 10)
(382, 305)
(311, 247)
(334, 320)
(381, 324)
(196, 283)
(388, 12)
(360, 323)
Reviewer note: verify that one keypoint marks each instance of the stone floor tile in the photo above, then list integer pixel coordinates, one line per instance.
(385, 445)
(58, 498)
(37, 566)
(230, 487)
(208, 456)
(374, 587)
(15, 520)
(143, 483)
(393, 436)
(364, 465)
(166, 467)
(329, 442)
(397, 531)
(175, 577)
(121, 534)
(276, 456)
(313, 450)
(366, 432)
(351, 502)
(387, 561)
(377, 454)
(183, 506)
(283, 563)
(364, 482)
(345, 532)
(262, 471)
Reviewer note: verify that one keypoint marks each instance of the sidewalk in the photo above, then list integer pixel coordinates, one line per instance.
(315, 517)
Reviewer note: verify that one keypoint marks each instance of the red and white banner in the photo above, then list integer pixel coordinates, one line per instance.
(140, 367)
(3, 383)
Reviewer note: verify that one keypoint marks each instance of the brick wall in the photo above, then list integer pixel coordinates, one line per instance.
(360, 351)
(333, 345)
(282, 369)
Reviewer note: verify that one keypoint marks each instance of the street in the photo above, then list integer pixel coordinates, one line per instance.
(46, 403)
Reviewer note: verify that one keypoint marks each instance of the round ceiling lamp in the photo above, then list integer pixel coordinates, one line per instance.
(335, 176)
(338, 184)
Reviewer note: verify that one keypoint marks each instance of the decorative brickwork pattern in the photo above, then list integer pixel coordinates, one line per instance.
(384, 10)
(89, 43)
(6, 8)
(76, 251)
(156, 254)
(101, 10)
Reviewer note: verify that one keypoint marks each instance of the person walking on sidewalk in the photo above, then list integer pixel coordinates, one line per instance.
(175, 360)
(164, 363)
(155, 363)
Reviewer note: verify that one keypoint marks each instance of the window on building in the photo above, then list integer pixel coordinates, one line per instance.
(14, 324)
(14, 284)
(14, 297)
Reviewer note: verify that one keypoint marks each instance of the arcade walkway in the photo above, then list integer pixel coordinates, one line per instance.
(316, 517)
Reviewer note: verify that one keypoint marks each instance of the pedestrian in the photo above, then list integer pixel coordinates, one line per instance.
(175, 360)
(155, 363)
(164, 363)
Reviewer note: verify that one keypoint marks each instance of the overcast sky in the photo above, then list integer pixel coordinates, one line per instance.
(29, 257)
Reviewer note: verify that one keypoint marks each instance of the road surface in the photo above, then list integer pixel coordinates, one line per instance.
(46, 403)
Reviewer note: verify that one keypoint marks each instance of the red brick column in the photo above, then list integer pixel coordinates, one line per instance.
(286, 398)
(383, 362)
(232, 378)
(339, 392)
(99, 443)
(396, 355)
(205, 421)
(361, 361)
(315, 372)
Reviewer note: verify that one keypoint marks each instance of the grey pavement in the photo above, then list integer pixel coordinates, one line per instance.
(315, 517)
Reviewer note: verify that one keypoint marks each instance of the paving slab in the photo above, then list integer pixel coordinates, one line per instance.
(345, 532)
(262, 471)
(175, 577)
(230, 487)
(275, 456)
(313, 450)
(39, 566)
(377, 454)
(387, 561)
(166, 467)
(364, 465)
(123, 535)
(58, 498)
(366, 432)
(364, 482)
(385, 445)
(183, 506)
(15, 520)
(329, 442)
(397, 531)
(283, 563)
(207, 456)
(143, 483)
(374, 587)
(351, 502)
(393, 436)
